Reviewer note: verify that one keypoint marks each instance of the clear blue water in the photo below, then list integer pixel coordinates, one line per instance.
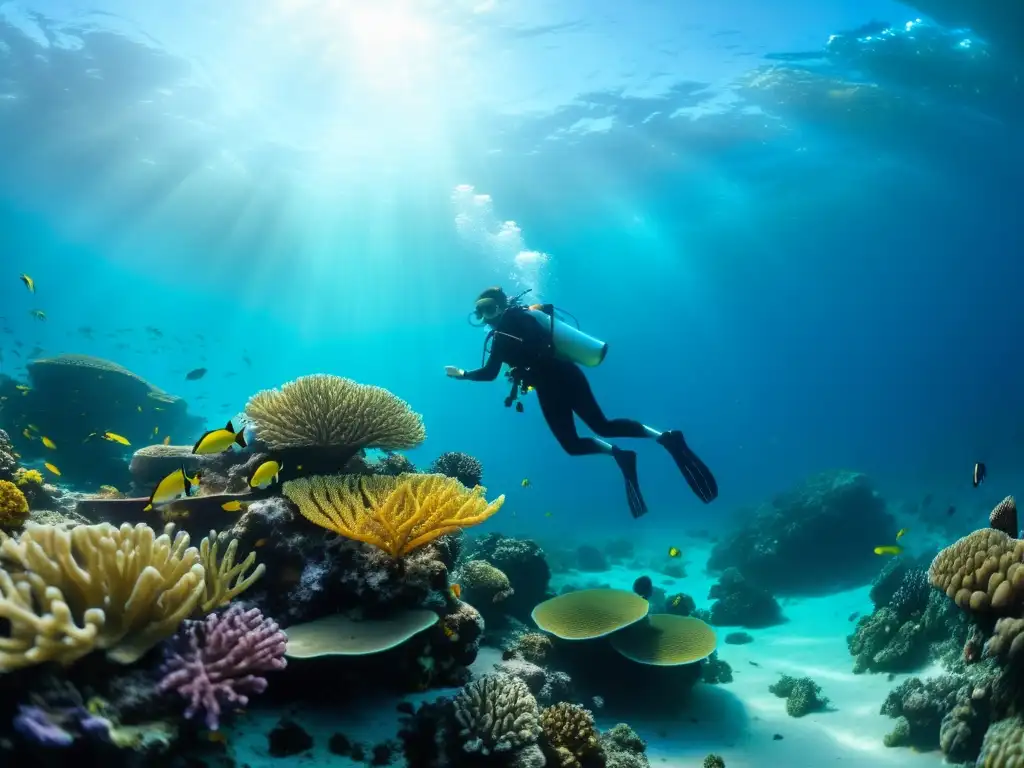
(802, 250)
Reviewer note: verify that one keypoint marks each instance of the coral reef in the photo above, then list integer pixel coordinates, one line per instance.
(393, 464)
(463, 467)
(152, 463)
(523, 562)
(216, 662)
(739, 602)
(590, 613)
(714, 761)
(589, 558)
(802, 695)
(983, 573)
(13, 506)
(8, 462)
(485, 587)
(534, 647)
(662, 639)
(395, 514)
(715, 670)
(70, 394)
(1004, 517)
(815, 538)
(908, 632)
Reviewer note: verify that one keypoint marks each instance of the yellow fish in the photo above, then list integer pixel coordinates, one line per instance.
(265, 474)
(38, 314)
(219, 440)
(676, 600)
(889, 549)
(115, 438)
(175, 486)
(526, 482)
(29, 282)
(674, 552)
(167, 440)
(233, 506)
(49, 443)
(261, 542)
(28, 435)
(901, 533)
(52, 468)
(156, 431)
(456, 590)
(23, 388)
(33, 427)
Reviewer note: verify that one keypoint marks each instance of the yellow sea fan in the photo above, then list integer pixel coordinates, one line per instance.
(396, 514)
(331, 411)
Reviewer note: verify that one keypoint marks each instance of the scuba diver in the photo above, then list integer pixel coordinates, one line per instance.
(544, 354)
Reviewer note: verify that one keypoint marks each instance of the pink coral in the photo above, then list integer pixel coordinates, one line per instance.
(214, 660)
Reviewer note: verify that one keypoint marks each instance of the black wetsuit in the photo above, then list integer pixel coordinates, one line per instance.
(521, 343)
(524, 345)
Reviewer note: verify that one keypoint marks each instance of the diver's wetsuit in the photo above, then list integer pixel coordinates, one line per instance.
(521, 342)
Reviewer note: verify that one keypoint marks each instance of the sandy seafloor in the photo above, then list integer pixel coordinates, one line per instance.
(737, 720)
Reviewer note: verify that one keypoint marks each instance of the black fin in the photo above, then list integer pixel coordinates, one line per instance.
(229, 427)
(695, 471)
(627, 464)
(240, 438)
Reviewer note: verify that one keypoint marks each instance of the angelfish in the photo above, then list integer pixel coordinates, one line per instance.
(265, 474)
(175, 486)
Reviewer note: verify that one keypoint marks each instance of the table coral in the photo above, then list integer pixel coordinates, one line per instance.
(215, 662)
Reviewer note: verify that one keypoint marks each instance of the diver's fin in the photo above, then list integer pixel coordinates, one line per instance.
(627, 464)
(696, 472)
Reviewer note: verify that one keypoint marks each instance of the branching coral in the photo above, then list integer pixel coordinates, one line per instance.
(570, 733)
(13, 505)
(395, 514)
(225, 580)
(463, 467)
(330, 411)
(216, 661)
(68, 592)
(497, 713)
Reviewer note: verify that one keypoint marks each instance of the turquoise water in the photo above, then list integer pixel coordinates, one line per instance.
(796, 226)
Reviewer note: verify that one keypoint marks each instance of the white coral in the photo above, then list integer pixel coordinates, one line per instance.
(497, 713)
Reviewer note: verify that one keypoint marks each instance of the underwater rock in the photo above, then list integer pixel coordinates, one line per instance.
(618, 550)
(590, 559)
(288, 738)
(523, 561)
(740, 602)
(816, 538)
(738, 638)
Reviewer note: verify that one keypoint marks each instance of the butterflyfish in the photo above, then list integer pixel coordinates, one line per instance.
(29, 282)
(219, 440)
(265, 474)
(674, 552)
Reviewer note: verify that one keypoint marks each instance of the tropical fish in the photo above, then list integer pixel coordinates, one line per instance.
(38, 314)
(33, 427)
(167, 440)
(175, 486)
(196, 374)
(219, 440)
(233, 506)
(674, 552)
(676, 601)
(156, 431)
(22, 388)
(138, 408)
(115, 438)
(261, 542)
(52, 468)
(49, 443)
(456, 590)
(526, 482)
(28, 435)
(265, 474)
(888, 549)
(980, 473)
(29, 282)
(901, 533)
(547, 514)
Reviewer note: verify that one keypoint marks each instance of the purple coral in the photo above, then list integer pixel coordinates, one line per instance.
(56, 728)
(211, 662)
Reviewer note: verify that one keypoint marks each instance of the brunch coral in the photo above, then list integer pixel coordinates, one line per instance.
(397, 515)
(95, 587)
(463, 467)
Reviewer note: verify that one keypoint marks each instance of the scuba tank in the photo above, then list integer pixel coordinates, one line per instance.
(567, 341)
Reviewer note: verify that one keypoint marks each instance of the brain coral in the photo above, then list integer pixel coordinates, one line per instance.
(982, 572)
(331, 411)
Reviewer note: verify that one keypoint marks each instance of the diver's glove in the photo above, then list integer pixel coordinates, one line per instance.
(454, 373)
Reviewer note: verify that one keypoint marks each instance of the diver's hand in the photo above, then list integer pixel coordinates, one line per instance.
(454, 373)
